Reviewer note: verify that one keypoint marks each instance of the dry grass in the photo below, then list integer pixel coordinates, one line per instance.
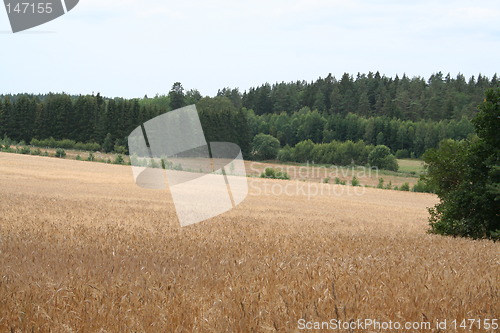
(82, 249)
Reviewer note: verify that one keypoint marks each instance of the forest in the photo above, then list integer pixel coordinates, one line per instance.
(408, 115)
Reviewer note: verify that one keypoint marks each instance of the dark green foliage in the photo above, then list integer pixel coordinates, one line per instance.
(60, 153)
(222, 122)
(107, 145)
(265, 147)
(65, 144)
(24, 150)
(382, 158)
(274, 174)
(373, 94)
(338, 181)
(421, 186)
(285, 154)
(404, 187)
(355, 181)
(464, 174)
(302, 152)
(402, 153)
(409, 137)
(177, 97)
(119, 159)
(334, 153)
(404, 114)
(380, 183)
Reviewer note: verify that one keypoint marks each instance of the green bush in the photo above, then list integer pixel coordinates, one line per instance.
(90, 146)
(285, 154)
(24, 151)
(60, 153)
(78, 158)
(274, 174)
(303, 151)
(355, 181)
(380, 183)
(120, 149)
(36, 152)
(326, 180)
(404, 187)
(66, 144)
(382, 158)
(90, 157)
(119, 160)
(403, 153)
(421, 186)
(339, 182)
(265, 147)
(466, 177)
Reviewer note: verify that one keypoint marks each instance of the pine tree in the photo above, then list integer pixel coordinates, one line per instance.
(177, 97)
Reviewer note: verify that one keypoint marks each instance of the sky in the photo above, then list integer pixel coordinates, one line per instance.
(125, 48)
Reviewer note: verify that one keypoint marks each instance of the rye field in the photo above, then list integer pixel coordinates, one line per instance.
(83, 249)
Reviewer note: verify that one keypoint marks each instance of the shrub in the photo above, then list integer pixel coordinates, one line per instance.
(339, 182)
(90, 146)
(382, 158)
(36, 152)
(285, 154)
(405, 187)
(303, 151)
(60, 153)
(108, 145)
(265, 147)
(119, 160)
(66, 144)
(421, 186)
(90, 157)
(380, 183)
(274, 174)
(326, 180)
(403, 153)
(78, 158)
(120, 149)
(24, 151)
(355, 181)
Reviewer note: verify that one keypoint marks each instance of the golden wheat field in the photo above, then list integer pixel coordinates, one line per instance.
(83, 249)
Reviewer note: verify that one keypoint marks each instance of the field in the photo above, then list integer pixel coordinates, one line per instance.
(409, 170)
(83, 249)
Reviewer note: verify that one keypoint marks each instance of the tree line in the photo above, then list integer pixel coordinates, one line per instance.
(409, 138)
(437, 98)
(407, 115)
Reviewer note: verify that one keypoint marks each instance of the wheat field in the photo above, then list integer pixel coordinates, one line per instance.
(83, 249)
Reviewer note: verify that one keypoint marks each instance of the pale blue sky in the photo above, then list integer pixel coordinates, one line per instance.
(131, 48)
